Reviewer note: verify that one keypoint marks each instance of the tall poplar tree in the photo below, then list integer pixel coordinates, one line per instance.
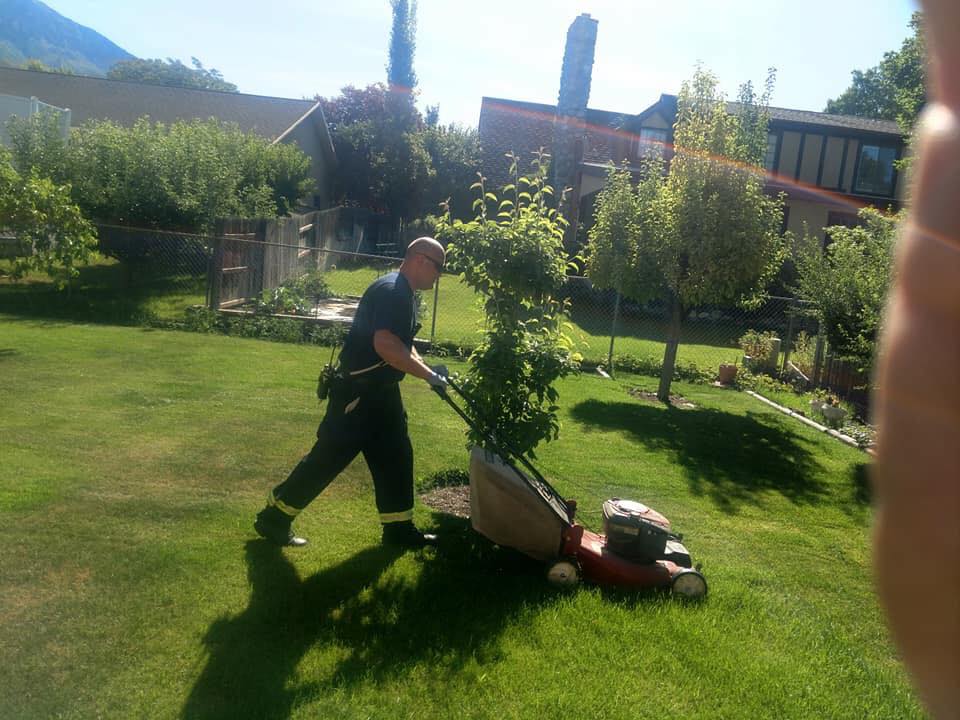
(403, 34)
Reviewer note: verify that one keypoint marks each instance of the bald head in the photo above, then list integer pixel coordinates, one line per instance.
(423, 262)
(426, 246)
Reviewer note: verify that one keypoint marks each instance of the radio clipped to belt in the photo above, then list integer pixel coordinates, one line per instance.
(328, 374)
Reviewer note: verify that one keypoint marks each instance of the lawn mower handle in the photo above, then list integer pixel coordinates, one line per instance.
(506, 452)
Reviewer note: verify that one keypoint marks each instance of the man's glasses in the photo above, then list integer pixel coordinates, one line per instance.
(436, 264)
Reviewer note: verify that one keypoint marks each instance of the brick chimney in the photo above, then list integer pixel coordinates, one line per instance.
(569, 124)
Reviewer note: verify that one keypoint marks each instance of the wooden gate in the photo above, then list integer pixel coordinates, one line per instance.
(251, 256)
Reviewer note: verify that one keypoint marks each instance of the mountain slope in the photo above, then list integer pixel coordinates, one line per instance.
(31, 30)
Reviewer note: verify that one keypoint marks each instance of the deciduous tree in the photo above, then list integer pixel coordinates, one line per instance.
(39, 213)
(705, 233)
(170, 72)
(891, 90)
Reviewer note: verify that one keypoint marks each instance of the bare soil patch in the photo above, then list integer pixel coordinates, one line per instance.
(678, 401)
(451, 500)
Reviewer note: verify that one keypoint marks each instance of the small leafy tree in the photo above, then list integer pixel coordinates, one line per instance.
(706, 233)
(41, 216)
(512, 255)
(849, 281)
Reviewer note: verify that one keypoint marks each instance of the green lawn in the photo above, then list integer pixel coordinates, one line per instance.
(132, 585)
(108, 291)
(105, 291)
(459, 319)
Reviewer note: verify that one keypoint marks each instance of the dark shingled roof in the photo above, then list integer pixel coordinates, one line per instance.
(806, 117)
(123, 102)
(850, 122)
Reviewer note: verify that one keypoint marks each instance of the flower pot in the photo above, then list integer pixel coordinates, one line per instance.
(727, 374)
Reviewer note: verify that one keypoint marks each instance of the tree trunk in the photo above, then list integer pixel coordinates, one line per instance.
(670, 354)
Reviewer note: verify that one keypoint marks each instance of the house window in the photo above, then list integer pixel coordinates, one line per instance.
(651, 142)
(843, 219)
(770, 157)
(846, 219)
(875, 171)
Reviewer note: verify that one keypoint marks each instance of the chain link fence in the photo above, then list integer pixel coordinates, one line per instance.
(290, 274)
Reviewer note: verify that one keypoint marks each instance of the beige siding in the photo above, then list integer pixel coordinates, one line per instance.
(789, 149)
(814, 215)
(811, 159)
(591, 183)
(831, 163)
(305, 137)
(852, 151)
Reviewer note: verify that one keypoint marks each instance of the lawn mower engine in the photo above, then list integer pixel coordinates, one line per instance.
(641, 534)
(636, 549)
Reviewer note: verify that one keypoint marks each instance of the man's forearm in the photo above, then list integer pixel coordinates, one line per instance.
(406, 359)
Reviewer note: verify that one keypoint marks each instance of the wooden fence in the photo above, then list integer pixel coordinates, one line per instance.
(251, 256)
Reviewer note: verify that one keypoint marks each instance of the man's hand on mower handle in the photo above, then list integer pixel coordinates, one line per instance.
(441, 370)
(437, 381)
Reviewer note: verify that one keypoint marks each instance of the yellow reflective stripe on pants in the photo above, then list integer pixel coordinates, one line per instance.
(396, 517)
(282, 506)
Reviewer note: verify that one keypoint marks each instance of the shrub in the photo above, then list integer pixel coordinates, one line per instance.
(756, 344)
(295, 297)
(517, 264)
(179, 176)
(848, 282)
(803, 352)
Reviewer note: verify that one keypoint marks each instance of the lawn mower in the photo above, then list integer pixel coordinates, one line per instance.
(523, 511)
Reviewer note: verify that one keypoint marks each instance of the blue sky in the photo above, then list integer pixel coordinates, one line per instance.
(512, 49)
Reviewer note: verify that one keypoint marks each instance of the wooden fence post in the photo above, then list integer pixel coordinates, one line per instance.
(789, 340)
(215, 273)
(817, 360)
(613, 332)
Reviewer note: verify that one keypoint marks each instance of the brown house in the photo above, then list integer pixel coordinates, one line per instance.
(278, 119)
(828, 165)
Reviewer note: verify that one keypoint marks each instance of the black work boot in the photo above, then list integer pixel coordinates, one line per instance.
(274, 526)
(405, 535)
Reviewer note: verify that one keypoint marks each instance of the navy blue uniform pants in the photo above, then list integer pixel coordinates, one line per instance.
(367, 419)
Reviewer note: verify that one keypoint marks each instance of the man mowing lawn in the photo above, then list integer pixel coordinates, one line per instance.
(365, 412)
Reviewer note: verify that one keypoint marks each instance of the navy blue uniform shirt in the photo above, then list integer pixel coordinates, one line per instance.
(388, 304)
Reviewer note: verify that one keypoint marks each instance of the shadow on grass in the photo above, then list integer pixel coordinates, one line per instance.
(107, 292)
(860, 483)
(731, 458)
(466, 594)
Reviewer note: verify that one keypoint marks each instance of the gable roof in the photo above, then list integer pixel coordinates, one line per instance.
(90, 98)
